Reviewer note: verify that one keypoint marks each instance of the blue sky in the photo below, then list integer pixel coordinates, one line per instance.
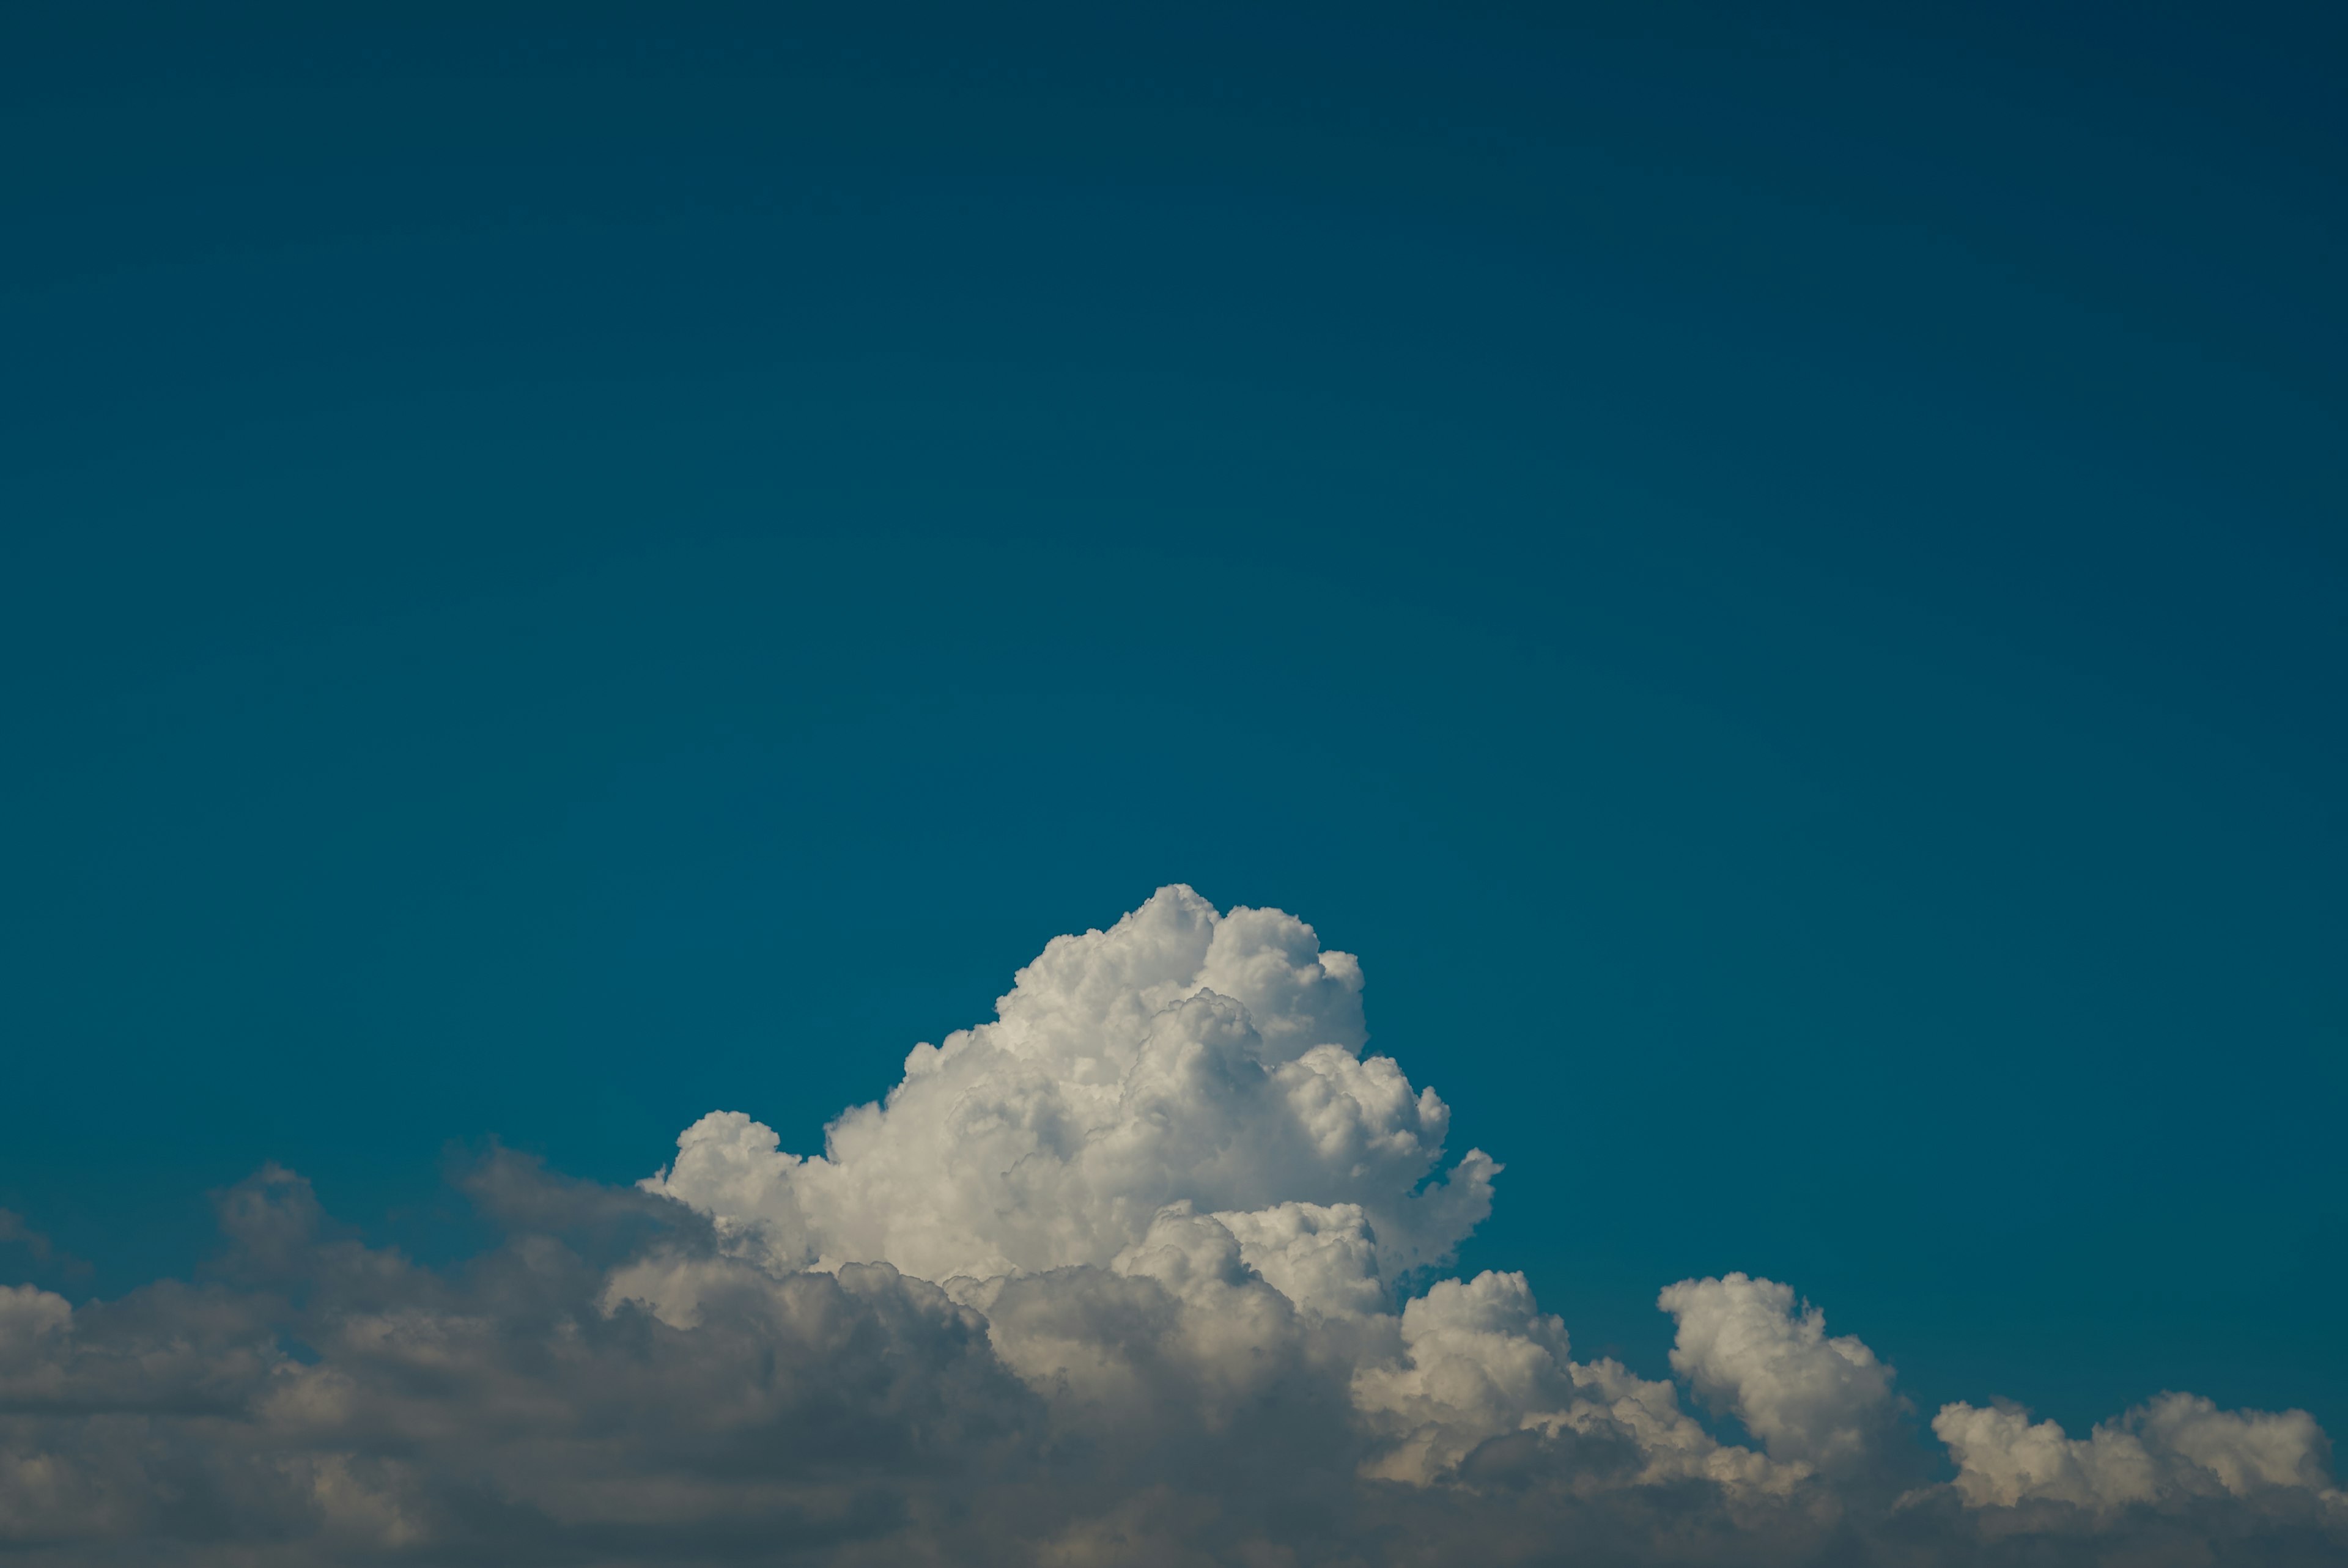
(1778, 581)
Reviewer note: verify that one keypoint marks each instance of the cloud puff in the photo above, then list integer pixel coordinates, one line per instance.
(1145, 1270)
(1479, 1365)
(1743, 1347)
(2175, 1447)
(1181, 1056)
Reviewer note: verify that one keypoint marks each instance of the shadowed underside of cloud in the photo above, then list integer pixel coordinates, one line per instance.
(1147, 1270)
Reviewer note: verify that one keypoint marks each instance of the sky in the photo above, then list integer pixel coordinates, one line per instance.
(1774, 579)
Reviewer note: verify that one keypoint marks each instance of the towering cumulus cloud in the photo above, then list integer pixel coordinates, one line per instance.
(1183, 1057)
(1148, 1269)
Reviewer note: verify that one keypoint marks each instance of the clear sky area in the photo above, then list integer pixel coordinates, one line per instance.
(1776, 578)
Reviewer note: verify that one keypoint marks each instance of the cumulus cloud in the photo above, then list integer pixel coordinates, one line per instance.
(1743, 1346)
(1181, 1056)
(2175, 1447)
(1146, 1269)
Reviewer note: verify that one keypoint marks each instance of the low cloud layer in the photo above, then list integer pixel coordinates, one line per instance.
(1147, 1270)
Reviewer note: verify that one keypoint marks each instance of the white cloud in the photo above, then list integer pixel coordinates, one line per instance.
(1480, 1361)
(1183, 1100)
(1181, 1056)
(1813, 1400)
(2173, 1447)
(1139, 1271)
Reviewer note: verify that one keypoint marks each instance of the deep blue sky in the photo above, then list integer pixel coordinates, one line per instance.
(1780, 580)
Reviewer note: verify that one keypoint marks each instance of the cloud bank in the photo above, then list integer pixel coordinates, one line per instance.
(1146, 1270)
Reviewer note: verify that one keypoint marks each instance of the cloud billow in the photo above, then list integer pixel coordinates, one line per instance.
(1146, 1270)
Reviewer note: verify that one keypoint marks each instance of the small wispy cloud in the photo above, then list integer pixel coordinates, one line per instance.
(15, 1232)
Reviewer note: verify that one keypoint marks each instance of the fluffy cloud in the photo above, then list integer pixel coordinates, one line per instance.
(1742, 1345)
(1147, 1269)
(1181, 1056)
(1480, 1367)
(2176, 1447)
